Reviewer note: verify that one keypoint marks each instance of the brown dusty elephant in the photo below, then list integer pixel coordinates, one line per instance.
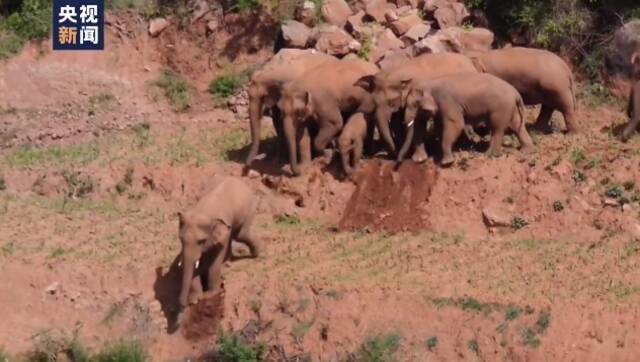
(470, 98)
(388, 89)
(223, 214)
(633, 109)
(265, 88)
(322, 95)
(540, 76)
(356, 133)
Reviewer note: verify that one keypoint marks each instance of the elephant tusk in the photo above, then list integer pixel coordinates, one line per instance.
(197, 263)
(180, 264)
(410, 123)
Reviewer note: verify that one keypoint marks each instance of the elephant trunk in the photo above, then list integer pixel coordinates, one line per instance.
(409, 121)
(291, 137)
(189, 261)
(383, 117)
(255, 119)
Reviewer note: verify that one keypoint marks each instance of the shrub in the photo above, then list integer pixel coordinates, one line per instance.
(379, 348)
(232, 348)
(226, 85)
(31, 21)
(122, 351)
(175, 89)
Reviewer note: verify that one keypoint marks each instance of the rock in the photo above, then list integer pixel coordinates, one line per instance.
(403, 24)
(355, 22)
(494, 217)
(476, 39)
(456, 40)
(306, 13)
(625, 42)
(430, 6)
(295, 34)
(335, 12)
(253, 174)
(351, 56)
(157, 25)
(452, 15)
(52, 288)
(335, 41)
(415, 34)
(395, 57)
(411, 3)
(212, 26)
(376, 9)
(440, 42)
(383, 43)
(610, 202)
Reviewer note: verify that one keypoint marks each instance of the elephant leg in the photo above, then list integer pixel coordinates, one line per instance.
(214, 279)
(497, 137)
(195, 291)
(247, 237)
(568, 113)
(518, 126)
(542, 123)
(420, 152)
(281, 150)
(329, 129)
(357, 153)
(452, 129)
(304, 146)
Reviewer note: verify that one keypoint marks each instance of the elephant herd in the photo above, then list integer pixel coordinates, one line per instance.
(314, 99)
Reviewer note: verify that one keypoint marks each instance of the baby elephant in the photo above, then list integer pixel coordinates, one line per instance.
(206, 230)
(471, 98)
(351, 142)
(633, 110)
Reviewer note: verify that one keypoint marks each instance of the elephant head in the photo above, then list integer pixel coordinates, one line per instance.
(418, 99)
(198, 235)
(388, 98)
(296, 106)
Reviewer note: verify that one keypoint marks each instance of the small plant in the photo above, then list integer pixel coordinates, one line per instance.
(544, 319)
(431, 342)
(286, 219)
(255, 305)
(508, 200)
(126, 182)
(78, 185)
(232, 348)
(576, 156)
(605, 181)
(558, 206)
(3, 183)
(75, 350)
(463, 164)
(45, 348)
(613, 191)
(243, 6)
(591, 163)
(379, 348)
(8, 248)
(300, 330)
(122, 351)
(141, 131)
(226, 85)
(4, 356)
(365, 48)
(629, 185)
(518, 223)
(529, 337)
(99, 99)
(578, 176)
(556, 161)
(473, 346)
(175, 89)
(57, 252)
(512, 312)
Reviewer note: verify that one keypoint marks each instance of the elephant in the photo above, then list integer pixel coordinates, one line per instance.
(540, 76)
(466, 98)
(388, 92)
(633, 109)
(265, 88)
(322, 95)
(206, 229)
(357, 132)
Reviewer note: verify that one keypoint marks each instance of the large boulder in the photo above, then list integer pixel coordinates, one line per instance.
(446, 13)
(403, 24)
(157, 25)
(295, 34)
(335, 12)
(415, 34)
(382, 44)
(395, 57)
(306, 13)
(334, 41)
(457, 40)
(376, 10)
(625, 42)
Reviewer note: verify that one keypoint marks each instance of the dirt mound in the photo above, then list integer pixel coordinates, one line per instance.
(388, 199)
(202, 319)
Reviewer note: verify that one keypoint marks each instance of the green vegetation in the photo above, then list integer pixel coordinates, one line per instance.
(227, 84)
(232, 348)
(473, 346)
(529, 337)
(175, 88)
(97, 100)
(126, 181)
(613, 191)
(578, 176)
(518, 223)
(4, 357)
(28, 156)
(31, 21)
(243, 6)
(78, 185)
(431, 342)
(512, 312)
(286, 219)
(558, 206)
(365, 48)
(122, 351)
(379, 348)
(3, 183)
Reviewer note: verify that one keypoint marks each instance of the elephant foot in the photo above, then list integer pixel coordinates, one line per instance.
(195, 297)
(419, 155)
(327, 156)
(527, 149)
(447, 160)
(542, 128)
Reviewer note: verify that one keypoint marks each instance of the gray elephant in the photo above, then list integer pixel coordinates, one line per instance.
(470, 98)
(226, 212)
(356, 133)
(540, 76)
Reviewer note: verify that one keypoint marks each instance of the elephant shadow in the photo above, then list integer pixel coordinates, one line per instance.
(167, 290)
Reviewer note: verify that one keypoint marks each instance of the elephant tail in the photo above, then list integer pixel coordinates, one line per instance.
(520, 110)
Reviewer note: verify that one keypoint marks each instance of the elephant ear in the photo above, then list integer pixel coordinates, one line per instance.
(367, 83)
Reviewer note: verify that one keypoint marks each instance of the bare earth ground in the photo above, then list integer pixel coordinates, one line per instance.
(558, 282)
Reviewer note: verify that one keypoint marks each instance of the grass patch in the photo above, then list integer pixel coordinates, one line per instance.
(232, 348)
(122, 351)
(518, 223)
(512, 312)
(143, 133)
(98, 100)
(230, 141)
(78, 185)
(379, 348)
(558, 206)
(431, 342)
(472, 345)
(529, 337)
(175, 89)
(4, 356)
(127, 180)
(287, 220)
(31, 21)
(299, 330)
(28, 156)
(8, 249)
(56, 252)
(227, 84)
(3, 183)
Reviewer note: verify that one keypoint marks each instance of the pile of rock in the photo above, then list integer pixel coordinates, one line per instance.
(385, 32)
